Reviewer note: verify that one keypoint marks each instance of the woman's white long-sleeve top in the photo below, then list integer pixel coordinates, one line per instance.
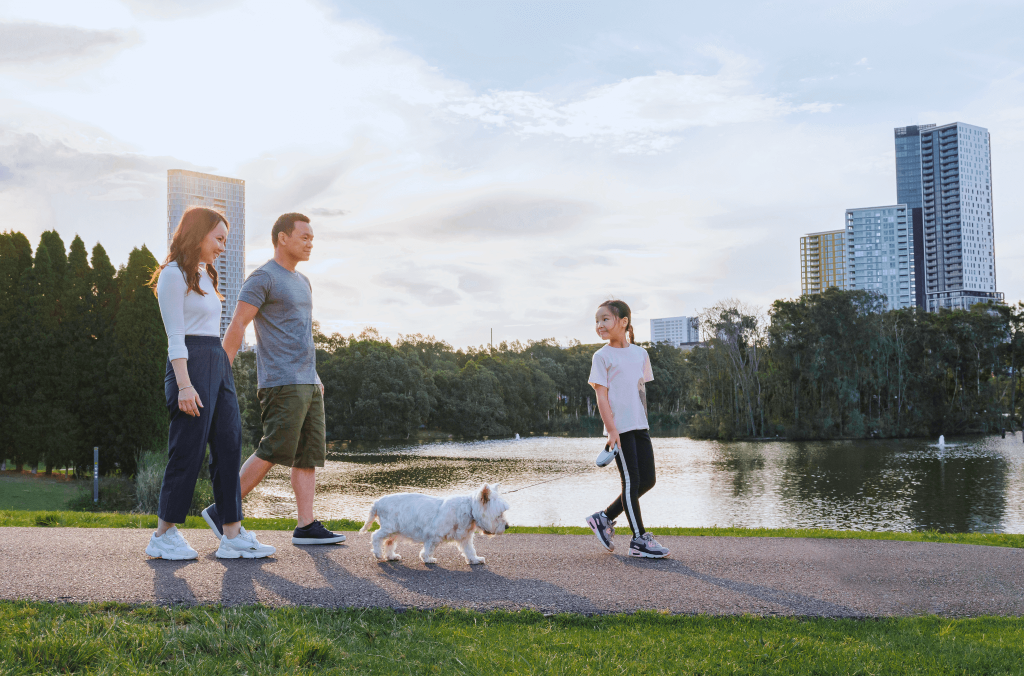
(186, 313)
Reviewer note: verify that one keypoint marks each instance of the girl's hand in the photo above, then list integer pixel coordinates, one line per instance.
(613, 439)
(189, 402)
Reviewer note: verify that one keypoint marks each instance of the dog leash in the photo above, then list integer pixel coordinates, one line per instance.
(557, 478)
(415, 488)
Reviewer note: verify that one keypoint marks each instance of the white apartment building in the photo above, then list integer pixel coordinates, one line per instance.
(679, 331)
(226, 195)
(880, 254)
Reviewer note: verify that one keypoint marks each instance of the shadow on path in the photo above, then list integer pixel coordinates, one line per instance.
(241, 577)
(168, 588)
(476, 586)
(798, 603)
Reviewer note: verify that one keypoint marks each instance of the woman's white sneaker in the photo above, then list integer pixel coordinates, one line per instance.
(170, 546)
(245, 546)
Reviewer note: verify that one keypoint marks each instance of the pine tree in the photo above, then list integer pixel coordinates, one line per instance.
(58, 392)
(10, 330)
(34, 363)
(99, 400)
(79, 342)
(140, 362)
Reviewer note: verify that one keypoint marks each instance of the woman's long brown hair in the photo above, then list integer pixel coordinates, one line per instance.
(187, 244)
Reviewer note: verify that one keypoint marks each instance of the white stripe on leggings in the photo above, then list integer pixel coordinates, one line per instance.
(626, 494)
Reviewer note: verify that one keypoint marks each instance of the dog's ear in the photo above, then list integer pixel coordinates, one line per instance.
(495, 488)
(485, 493)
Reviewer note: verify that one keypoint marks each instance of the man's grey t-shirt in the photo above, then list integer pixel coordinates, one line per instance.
(285, 354)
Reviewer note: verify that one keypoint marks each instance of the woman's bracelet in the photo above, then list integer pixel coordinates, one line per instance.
(184, 388)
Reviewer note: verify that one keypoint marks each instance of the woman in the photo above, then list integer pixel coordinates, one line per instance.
(198, 371)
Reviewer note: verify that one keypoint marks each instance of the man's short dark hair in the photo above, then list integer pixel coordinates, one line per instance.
(286, 224)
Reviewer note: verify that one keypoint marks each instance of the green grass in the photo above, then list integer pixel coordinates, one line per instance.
(117, 639)
(115, 520)
(25, 491)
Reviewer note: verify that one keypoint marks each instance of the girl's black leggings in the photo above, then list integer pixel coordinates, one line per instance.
(636, 468)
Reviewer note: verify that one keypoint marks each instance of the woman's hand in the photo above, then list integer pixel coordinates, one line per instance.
(613, 439)
(189, 402)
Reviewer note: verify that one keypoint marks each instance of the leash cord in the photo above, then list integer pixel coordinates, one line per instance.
(557, 478)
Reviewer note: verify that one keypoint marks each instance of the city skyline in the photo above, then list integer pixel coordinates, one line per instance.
(461, 177)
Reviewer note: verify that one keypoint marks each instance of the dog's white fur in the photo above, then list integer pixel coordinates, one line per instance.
(432, 520)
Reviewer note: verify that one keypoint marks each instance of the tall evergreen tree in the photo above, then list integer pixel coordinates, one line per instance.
(79, 340)
(36, 363)
(54, 387)
(139, 363)
(10, 330)
(100, 400)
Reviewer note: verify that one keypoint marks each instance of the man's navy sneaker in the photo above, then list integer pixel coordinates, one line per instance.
(213, 520)
(603, 529)
(647, 547)
(315, 534)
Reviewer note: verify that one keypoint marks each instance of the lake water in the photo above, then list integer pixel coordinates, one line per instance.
(974, 484)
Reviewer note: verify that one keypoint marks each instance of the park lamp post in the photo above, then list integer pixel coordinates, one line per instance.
(95, 474)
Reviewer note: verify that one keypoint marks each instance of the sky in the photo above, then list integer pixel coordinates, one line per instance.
(505, 165)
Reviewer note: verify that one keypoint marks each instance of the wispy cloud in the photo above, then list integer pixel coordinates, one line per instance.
(644, 115)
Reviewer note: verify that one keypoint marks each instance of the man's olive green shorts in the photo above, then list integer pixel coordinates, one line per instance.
(294, 427)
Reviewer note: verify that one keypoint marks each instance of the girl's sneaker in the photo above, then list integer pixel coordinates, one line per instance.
(245, 546)
(170, 546)
(647, 547)
(603, 529)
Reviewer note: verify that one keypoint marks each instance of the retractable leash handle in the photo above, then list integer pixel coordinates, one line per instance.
(605, 457)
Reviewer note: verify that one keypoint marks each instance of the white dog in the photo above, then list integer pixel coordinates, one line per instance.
(431, 520)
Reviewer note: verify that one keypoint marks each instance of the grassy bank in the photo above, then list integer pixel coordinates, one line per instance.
(110, 520)
(118, 639)
(28, 491)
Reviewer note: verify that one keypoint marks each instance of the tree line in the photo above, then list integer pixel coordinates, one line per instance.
(837, 364)
(83, 353)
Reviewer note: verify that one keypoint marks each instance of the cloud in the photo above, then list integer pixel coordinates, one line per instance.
(639, 115)
(23, 43)
(320, 211)
(511, 216)
(412, 282)
(176, 9)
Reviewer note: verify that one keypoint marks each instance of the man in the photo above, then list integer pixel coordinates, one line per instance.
(290, 393)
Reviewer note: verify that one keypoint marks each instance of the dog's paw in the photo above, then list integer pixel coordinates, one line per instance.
(430, 559)
(394, 557)
(476, 560)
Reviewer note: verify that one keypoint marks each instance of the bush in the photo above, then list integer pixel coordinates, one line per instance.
(117, 494)
(149, 476)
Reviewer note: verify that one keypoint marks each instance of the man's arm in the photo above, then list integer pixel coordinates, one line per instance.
(244, 314)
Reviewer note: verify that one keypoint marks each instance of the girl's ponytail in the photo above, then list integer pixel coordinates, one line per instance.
(620, 310)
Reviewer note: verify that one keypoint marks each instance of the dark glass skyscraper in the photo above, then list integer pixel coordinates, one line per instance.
(909, 191)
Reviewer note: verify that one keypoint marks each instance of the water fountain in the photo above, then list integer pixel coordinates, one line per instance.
(942, 441)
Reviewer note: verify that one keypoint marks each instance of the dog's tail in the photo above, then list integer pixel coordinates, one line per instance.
(369, 519)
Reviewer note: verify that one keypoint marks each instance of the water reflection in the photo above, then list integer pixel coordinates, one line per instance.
(976, 485)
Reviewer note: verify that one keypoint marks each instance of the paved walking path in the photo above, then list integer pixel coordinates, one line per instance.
(550, 573)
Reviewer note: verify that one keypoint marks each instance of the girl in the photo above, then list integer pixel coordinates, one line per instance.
(198, 370)
(619, 372)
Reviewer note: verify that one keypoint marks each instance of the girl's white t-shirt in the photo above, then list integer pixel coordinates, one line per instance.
(184, 312)
(624, 371)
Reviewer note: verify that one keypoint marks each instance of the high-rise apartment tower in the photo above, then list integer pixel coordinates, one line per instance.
(880, 254)
(679, 331)
(226, 195)
(822, 261)
(956, 268)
